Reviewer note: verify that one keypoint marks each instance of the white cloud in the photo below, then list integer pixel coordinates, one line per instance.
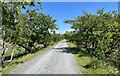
(62, 32)
(68, 30)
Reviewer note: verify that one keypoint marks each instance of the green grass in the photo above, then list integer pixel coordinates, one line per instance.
(17, 50)
(23, 59)
(89, 65)
(81, 61)
(0, 70)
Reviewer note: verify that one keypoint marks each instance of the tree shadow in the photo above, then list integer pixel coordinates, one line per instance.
(88, 66)
(7, 64)
(16, 56)
(73, 50)
(18, 62)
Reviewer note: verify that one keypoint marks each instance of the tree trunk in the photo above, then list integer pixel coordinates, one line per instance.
(12, 52)
(4, 50)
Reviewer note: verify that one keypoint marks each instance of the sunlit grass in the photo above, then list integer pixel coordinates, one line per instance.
(82, 61)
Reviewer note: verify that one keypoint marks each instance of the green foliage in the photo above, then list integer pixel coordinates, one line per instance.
(27, 30)
(56, 37)
(88, 65)
(69, 36)
(35, 28)
(11, 30)
(98, 35)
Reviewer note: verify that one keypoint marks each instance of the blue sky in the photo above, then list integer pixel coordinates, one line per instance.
(79, 0)
(70, 10)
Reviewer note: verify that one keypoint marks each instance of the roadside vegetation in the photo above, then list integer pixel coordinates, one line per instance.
(97, 42)
(8, 66)
(24, 35)
(88, 65)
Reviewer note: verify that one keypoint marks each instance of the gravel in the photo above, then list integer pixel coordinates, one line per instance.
(56, 60)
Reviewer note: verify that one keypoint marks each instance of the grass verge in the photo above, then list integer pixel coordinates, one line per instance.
(89, 65)
(23, 59)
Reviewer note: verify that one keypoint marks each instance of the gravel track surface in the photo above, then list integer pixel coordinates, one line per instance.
(56, 60)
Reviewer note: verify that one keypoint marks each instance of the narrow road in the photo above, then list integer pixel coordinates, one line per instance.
(56, 60)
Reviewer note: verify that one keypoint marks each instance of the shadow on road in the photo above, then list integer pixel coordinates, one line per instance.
(73, 50)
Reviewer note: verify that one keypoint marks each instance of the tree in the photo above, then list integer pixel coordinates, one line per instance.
(10, 12)
(26, 30)
(98, 35)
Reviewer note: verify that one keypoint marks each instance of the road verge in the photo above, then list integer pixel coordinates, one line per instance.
(16, 62)
(89, 65)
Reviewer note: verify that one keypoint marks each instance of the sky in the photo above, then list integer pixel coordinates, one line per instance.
(79, 0)
(70, 10)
